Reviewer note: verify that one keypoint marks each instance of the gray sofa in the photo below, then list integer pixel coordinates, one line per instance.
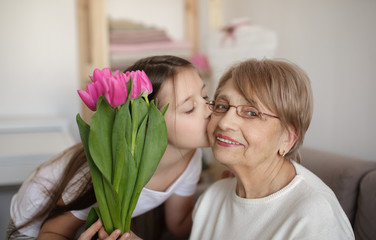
(352, 180)
(354, 183)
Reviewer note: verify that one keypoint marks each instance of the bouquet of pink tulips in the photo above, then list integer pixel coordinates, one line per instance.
(124, 142)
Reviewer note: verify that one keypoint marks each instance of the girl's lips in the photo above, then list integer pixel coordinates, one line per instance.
(226, 141)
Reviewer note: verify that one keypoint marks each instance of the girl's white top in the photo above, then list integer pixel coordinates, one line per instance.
(33, 194)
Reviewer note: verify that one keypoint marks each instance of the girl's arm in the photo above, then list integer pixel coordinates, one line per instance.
(178, 212)
(64, 226)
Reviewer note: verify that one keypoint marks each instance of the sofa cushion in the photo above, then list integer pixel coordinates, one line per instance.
(341, 173)
(365, 221)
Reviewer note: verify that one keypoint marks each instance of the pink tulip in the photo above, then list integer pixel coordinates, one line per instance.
(117, 92)
(140, 84)
(114, 87)
(90, 96)
(100, 74)
(88, 99)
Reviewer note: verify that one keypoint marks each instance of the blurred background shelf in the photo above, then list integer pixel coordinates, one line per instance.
(105, 42)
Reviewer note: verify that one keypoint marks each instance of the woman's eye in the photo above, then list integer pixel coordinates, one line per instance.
(250, 114)
(206, 97)
(222, 106)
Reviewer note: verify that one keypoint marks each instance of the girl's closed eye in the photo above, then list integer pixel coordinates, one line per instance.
(190, 111)
(206, 98)
(188, 107)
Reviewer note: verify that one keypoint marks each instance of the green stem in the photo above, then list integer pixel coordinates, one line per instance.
(146, 100)
(134, 128)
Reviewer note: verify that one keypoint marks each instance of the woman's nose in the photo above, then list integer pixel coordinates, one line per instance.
(228, 119)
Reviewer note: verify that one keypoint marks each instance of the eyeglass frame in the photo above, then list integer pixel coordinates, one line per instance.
(211, 104)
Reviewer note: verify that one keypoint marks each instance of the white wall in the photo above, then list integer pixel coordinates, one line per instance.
(39, 59)
(38, 69)
(335, 42)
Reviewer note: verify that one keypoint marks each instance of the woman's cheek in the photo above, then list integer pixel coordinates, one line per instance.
(210, 130)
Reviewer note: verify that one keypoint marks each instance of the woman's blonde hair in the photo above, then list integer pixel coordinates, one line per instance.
(282, 87)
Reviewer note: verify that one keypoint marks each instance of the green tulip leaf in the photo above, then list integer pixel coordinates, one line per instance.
(140, 141)
(91, 218)
(155, 145)
(139, 111)
(113, 202)
(153, 150)
(119, 144)
(100, 137)
(96, 175)
(164, 110)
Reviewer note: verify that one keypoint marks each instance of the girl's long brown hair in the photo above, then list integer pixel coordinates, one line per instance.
(85, 193)
(158, 69)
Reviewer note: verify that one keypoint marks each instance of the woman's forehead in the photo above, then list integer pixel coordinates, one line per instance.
(232, 93)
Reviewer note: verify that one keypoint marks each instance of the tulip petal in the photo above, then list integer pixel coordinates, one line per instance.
(117, 92)
(127, 75)
(100, 74)
(146, 86)
(87, 99)
(136, 85)
(97, 74)
(92, 91)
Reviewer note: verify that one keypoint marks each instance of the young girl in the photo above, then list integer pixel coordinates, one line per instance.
(54, 202)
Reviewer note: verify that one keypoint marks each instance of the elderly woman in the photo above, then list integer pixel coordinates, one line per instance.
(261, 112)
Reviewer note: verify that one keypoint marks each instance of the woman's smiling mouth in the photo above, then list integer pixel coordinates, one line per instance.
(225, 141)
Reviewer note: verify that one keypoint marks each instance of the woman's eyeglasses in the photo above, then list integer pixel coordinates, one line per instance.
(244, 111)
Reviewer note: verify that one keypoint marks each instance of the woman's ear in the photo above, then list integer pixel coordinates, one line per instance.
(290, 138)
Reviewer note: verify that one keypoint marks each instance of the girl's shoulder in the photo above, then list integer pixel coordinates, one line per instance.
(196, 161)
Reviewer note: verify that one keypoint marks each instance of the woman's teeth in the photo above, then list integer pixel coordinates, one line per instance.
(227, 141)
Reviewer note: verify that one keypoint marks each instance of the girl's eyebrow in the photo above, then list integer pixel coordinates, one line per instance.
(185, 100)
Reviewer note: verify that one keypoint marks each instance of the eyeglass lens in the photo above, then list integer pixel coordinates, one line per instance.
(241, 110)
